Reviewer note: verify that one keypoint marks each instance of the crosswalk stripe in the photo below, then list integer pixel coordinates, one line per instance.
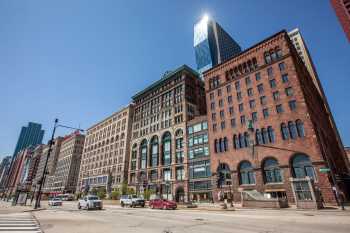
(19, 222)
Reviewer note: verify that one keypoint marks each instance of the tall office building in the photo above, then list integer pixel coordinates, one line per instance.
(303, 52)
(212, 45)
(30, 135)
(68, 164)
(4, 167)
(158, 154)
(105, 158)
(269, 128)
(50, 167)
(342, 9)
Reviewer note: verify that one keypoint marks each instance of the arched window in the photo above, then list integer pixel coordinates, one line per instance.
(216, 146)
(246, 173)
(302, 167)
(246, 139)
(143, 154)
(225, 144)
(300, 128)
(242, 141)
(272, 172)
(271, 134)
(265, 136)
(223, 170)
(222, 145)
(179, 133)
(273, 55)
(278, 52)
(258, 137)
(236, 142)
(267, 58)
(284, 131)
(292, 130)
(166, 141)
(154, 151)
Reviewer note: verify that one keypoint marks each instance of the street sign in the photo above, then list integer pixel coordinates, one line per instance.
(324, 169)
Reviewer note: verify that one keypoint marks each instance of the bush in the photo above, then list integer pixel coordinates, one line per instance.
(93, 191)
(115, 195)
(124, 188)
(101, 193)
(147, 194)
(130, 191)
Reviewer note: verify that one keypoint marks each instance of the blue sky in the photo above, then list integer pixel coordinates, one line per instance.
(82, 60)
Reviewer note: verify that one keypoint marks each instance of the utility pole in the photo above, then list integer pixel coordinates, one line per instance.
(42, 179)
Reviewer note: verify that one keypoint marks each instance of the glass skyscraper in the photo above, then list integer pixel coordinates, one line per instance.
(212, 45)
(30, 135)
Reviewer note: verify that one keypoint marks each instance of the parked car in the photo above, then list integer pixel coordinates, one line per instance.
(66, 197)
(159, 203)
(90, 202)
(55, 201)
(132, 201)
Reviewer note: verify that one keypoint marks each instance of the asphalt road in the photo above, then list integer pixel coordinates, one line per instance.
(123, 220)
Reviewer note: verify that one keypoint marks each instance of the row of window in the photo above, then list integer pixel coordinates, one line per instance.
(262, 136)
(301, 167)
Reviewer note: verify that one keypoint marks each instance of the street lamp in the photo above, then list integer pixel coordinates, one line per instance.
(167, 183)
(51, 142)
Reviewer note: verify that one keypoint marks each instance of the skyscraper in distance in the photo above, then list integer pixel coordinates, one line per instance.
(212, 44)
(30, 135)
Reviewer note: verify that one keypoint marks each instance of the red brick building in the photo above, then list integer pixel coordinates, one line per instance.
(265, 97)
(342, 9)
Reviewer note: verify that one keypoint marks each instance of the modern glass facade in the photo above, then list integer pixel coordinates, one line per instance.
(199, 161)
(212, 45)
(31, 135)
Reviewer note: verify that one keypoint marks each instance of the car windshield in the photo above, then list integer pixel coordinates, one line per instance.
(93, 198)
(134, 196)
(56, 199)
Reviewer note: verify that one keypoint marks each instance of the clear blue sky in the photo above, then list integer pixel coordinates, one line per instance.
(82, 60)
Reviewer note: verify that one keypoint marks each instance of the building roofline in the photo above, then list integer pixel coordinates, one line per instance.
(246, 50)
(164, 78)
(106, 118)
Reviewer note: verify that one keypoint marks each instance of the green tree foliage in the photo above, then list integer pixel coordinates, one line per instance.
(101, 192)
(115, 195)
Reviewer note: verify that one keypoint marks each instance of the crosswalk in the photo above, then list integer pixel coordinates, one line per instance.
(19, 222)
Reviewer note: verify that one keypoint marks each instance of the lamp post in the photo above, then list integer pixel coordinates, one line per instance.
(51, 142)
(167, 183)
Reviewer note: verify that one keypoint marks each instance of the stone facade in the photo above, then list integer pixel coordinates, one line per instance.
(51, 165)
(158, 152)
(68, 164)
(106, 152)
(250, 99)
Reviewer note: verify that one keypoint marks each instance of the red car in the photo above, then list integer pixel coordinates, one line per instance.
(162, 204)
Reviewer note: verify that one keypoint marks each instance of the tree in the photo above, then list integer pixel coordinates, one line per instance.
(101, 192)
(147, 193)
(93, 191)
(124, 188)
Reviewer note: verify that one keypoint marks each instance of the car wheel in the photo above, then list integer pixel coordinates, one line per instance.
(122, 204)
(143, 206)
(79, 207)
